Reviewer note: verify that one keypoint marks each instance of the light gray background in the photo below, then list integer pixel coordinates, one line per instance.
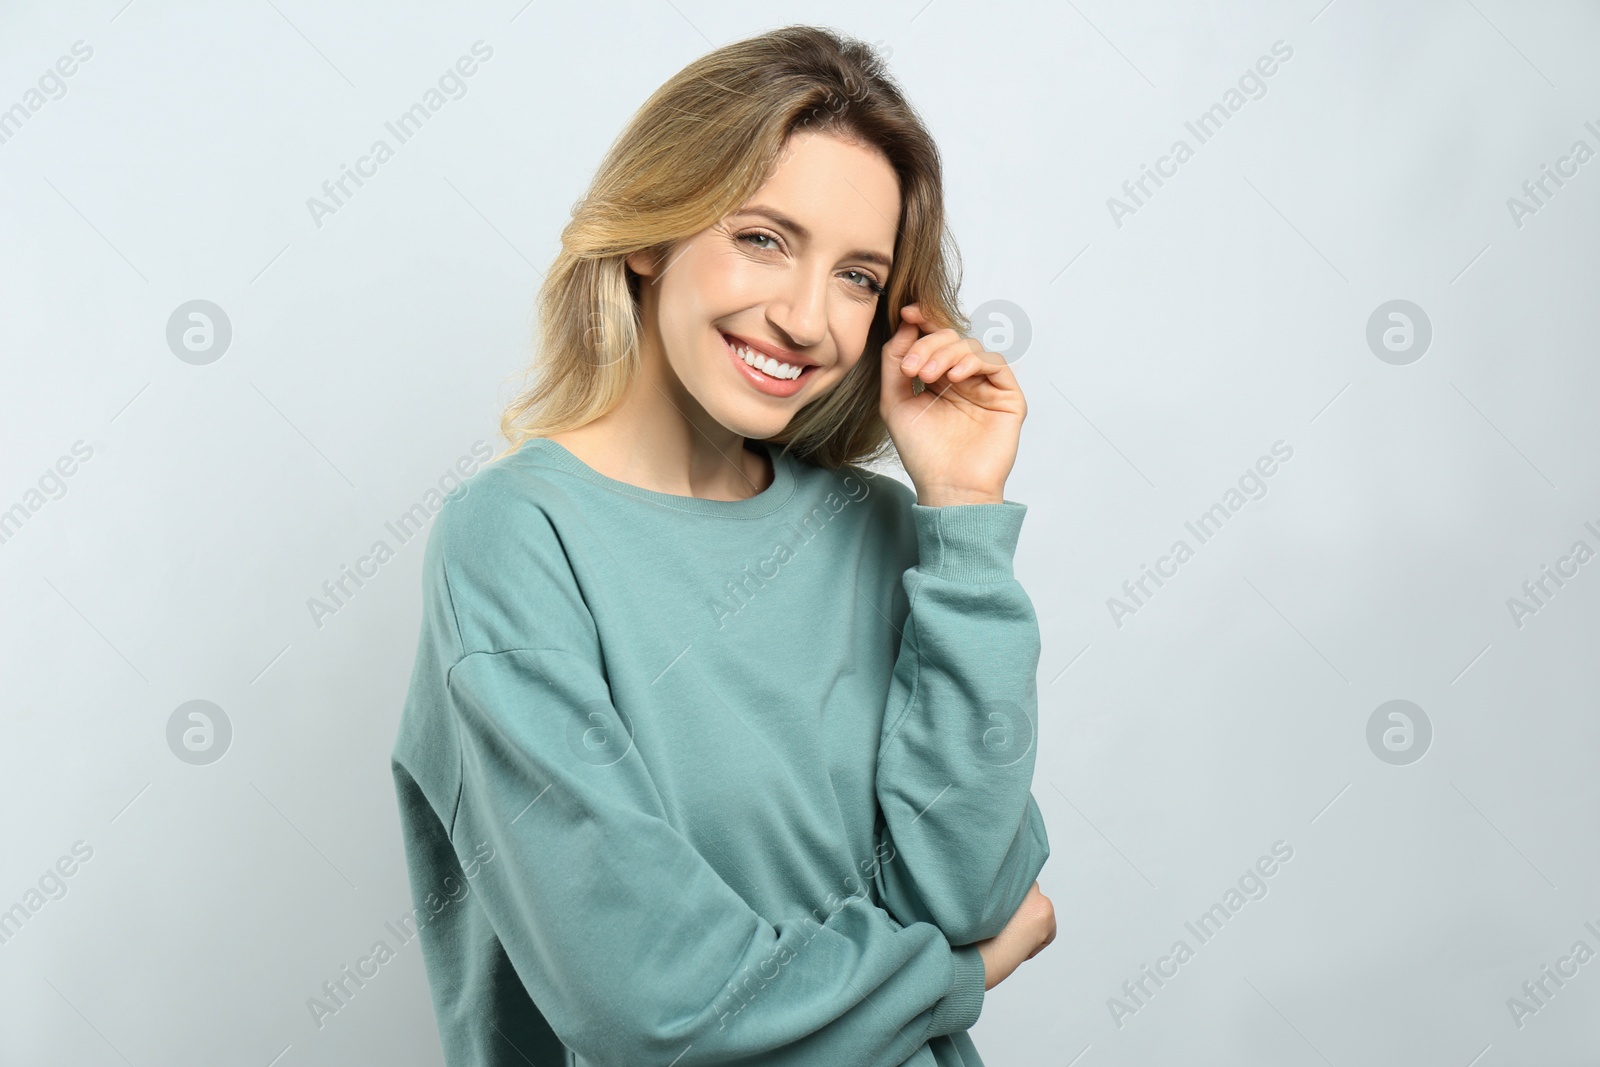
(1168, 353)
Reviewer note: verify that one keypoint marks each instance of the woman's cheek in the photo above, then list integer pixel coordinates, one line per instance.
(742, 283)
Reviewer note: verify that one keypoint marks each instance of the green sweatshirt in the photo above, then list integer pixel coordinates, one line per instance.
(689, 781)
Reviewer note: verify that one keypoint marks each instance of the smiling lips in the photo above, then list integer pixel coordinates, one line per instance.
(778, 355)
(773, 370)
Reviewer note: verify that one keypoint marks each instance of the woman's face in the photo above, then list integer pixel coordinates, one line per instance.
(792, 276)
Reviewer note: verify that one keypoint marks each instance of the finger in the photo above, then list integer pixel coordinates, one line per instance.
(1000, 372)
(974, 365)
(984, 371)
(939, 358)
(913, 315)
(896, 386)
(924, 359)
(900, 342)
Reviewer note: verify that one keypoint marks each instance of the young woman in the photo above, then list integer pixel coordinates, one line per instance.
(718, 748)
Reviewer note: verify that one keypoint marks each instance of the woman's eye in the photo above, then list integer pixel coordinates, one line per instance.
(866, 283)
(859, 279)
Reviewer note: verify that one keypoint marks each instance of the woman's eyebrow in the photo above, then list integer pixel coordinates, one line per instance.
(805, 235)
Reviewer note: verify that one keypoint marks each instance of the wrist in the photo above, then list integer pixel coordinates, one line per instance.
(947, 496)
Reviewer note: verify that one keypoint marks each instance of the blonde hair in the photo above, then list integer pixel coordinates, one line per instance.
(697, 149)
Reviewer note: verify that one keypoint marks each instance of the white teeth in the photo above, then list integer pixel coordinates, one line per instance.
(766, 364)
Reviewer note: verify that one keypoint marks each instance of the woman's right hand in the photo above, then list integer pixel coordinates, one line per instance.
(1028, 931)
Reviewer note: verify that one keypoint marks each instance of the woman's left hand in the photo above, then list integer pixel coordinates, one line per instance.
(958, 437)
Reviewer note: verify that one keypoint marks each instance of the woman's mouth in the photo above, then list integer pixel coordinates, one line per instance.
(765, 373)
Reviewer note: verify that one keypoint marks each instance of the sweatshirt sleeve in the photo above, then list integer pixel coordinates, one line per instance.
(956, 754)
(633, 947)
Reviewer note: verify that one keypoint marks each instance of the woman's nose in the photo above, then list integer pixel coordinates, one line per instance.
(801, 310)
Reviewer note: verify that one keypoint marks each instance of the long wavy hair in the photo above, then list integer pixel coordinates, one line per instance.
(697, 149)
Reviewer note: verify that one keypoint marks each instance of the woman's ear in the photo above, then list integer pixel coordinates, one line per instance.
(641, 263)
(645, 262)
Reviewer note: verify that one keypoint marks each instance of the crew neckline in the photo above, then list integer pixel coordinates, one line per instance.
(765, 502)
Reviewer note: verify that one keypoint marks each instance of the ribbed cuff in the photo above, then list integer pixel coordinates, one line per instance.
(968, 542)
(959, 1009)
